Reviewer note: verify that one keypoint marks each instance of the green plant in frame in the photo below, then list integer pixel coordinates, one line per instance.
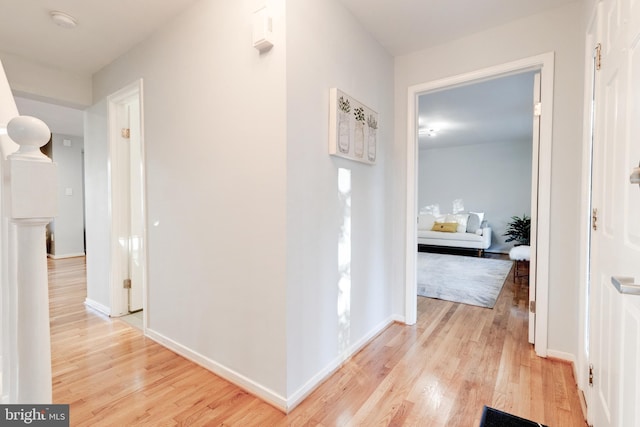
(519, 230)
(344, 105)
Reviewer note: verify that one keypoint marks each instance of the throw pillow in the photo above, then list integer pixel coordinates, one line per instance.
(480, 215)
(425, 221)
(461, 219)
(473, 223)
(447, 227)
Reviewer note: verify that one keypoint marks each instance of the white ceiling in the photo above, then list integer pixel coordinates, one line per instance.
(404, 26)
(498, 110)
(106, 29)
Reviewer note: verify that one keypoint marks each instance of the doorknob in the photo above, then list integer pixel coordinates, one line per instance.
(625, 285)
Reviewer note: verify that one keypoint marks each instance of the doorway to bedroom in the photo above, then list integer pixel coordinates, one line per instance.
(466, 172)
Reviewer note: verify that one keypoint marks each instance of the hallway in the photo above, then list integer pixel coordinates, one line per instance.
(439, 372)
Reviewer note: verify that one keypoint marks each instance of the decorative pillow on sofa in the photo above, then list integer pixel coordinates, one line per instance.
(447, 227)
(461, 219)
(473, 223)
(425, 221)
(480, 215)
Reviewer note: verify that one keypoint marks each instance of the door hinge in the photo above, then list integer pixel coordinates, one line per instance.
(126, 283)
(537, 109)
(594, 219)
(598, 56)
(591, 375)
(126, 133)
(532, 307)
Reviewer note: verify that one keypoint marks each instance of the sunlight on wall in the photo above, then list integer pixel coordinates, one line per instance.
(344, 260)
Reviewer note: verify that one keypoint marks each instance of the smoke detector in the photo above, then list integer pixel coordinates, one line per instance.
(63, 20)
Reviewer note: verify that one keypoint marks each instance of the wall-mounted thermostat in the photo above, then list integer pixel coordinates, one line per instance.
(262, 30)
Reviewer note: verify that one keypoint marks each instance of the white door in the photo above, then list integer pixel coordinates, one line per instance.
(135, 207)
(127, 200)
(615, 316)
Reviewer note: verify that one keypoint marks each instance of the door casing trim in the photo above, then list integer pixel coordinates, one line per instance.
(545, 64)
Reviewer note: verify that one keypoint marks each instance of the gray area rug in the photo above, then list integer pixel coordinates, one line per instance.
(473, 281)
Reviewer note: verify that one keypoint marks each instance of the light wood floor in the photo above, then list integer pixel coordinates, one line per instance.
(439, 372)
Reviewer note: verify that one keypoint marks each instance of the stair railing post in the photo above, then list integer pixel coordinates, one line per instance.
(32, 204)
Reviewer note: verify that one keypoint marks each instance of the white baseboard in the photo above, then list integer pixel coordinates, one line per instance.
(97, 306)
(222, 371)
(296, 398)
(269, 396)
(399, 318)
(76, 255)
(568, 357)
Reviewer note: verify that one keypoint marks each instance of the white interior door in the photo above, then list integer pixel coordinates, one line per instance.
(128, 269)
(615, 316)
(136, 224)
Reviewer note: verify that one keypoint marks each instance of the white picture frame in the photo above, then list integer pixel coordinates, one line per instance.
(353, 128)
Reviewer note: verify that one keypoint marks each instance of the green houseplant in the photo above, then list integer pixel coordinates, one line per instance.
(519, 230)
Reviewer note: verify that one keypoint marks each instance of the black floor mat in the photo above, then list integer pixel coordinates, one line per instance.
(494, 418)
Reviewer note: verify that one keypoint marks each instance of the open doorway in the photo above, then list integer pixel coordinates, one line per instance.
(540, 200)
(475, 155)
(475, 149)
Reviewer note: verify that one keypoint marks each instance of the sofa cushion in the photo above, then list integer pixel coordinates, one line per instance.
(461, 219)
(448, 227)
(425, 221)
(453, 237)
(473, 224)
(480, 215)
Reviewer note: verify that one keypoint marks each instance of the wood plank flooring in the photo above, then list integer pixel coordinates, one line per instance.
(439, 372)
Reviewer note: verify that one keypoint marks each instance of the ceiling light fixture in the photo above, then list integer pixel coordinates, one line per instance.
(63, 20)
(428, 131)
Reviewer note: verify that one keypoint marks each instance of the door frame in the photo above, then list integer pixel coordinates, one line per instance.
(119, 295)
(545, 64)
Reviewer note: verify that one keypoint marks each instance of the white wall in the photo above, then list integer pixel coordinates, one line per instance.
(560, 30)
(96, 162)
(36, 81)
(493, 178)
(215, 139)
(69, 222)
(327, 48)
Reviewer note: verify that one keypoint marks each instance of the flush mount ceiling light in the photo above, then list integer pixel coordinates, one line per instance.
(63, 20)
(428, 131)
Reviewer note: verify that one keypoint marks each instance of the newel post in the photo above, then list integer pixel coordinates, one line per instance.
(31, 204)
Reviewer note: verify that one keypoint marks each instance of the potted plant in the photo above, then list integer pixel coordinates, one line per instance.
(519, 230)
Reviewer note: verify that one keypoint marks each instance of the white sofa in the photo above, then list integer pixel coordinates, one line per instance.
(471, 232)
